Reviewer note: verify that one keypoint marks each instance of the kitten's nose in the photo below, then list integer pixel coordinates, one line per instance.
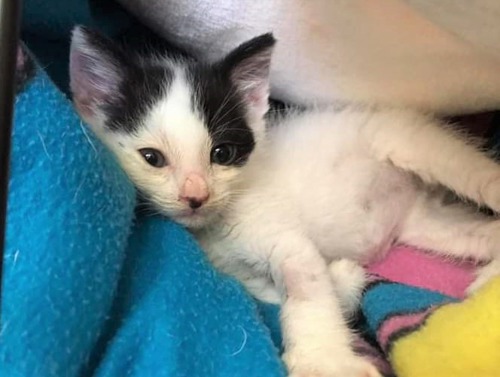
(194, 203)
(194, 192)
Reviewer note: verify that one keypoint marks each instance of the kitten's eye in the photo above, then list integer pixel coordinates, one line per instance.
(153, 157)
(223, 154)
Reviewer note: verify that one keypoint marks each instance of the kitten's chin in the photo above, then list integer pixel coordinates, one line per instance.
(194, 221)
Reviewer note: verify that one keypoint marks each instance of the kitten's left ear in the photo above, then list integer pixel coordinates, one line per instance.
(248, 66)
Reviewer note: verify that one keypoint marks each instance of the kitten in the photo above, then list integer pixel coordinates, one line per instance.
(274, 205)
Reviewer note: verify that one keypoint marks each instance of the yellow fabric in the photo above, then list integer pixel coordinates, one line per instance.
(457, 340)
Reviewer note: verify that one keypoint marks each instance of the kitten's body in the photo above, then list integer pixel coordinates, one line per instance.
(317, 177)
(318, 186)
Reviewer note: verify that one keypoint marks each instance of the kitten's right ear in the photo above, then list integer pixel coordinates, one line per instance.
(97, 68)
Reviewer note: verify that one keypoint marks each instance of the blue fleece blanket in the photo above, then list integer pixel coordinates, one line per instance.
(91, 290)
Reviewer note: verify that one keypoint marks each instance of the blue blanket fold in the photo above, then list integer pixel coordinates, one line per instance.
(176, 307)
(89, 292)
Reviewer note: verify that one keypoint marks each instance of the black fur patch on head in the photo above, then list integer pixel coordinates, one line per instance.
(120, 84)
(141, 85)
(228, 90)
(223, 109)
(140, 88)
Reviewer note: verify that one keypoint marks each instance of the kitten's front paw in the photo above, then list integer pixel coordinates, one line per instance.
(352, 366)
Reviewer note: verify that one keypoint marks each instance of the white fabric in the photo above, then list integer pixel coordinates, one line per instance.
(442, 56)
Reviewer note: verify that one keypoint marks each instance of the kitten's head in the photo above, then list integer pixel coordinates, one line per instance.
(181, 130)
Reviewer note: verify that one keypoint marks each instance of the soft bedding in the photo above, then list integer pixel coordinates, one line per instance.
(94, 288)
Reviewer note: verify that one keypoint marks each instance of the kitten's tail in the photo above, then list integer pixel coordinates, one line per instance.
(436, 153)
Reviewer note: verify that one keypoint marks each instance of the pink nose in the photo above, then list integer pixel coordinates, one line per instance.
(194, 192)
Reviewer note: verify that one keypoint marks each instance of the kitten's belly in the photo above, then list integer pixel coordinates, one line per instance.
(357, 211)
(348, 203)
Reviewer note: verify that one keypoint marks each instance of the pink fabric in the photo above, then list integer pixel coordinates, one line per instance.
(397, 323)
(408, 265)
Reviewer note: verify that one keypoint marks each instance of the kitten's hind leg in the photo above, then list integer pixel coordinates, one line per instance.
(434, 152)
(454, 229)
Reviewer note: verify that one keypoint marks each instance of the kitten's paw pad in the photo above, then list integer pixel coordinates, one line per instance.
(351, 367)
(484, 275)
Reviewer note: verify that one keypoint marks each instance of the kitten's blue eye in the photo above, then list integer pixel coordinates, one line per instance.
(153, 157)
(223, 154)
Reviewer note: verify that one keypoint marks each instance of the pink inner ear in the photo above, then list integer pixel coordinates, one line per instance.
(84, 106)
(252, 82)
(94, 79)
(258, 98)
(251, 77)
(85, 93)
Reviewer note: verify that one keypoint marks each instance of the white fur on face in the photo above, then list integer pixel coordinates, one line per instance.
(179, 108)
(178, 131)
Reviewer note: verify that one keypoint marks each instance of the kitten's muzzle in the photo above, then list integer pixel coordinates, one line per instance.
(194, 191)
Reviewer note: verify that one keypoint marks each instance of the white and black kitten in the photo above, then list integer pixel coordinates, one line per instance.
(275, 205)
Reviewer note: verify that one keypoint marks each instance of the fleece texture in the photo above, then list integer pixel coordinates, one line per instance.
(69, 211)
(458, 340)
(417, 309)
(90, 291)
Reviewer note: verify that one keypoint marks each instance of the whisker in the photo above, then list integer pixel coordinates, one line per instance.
(224, 102)
(236, 104)
(221, 129)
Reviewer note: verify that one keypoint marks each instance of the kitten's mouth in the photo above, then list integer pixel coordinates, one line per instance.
(190, 214)
(194, 219)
